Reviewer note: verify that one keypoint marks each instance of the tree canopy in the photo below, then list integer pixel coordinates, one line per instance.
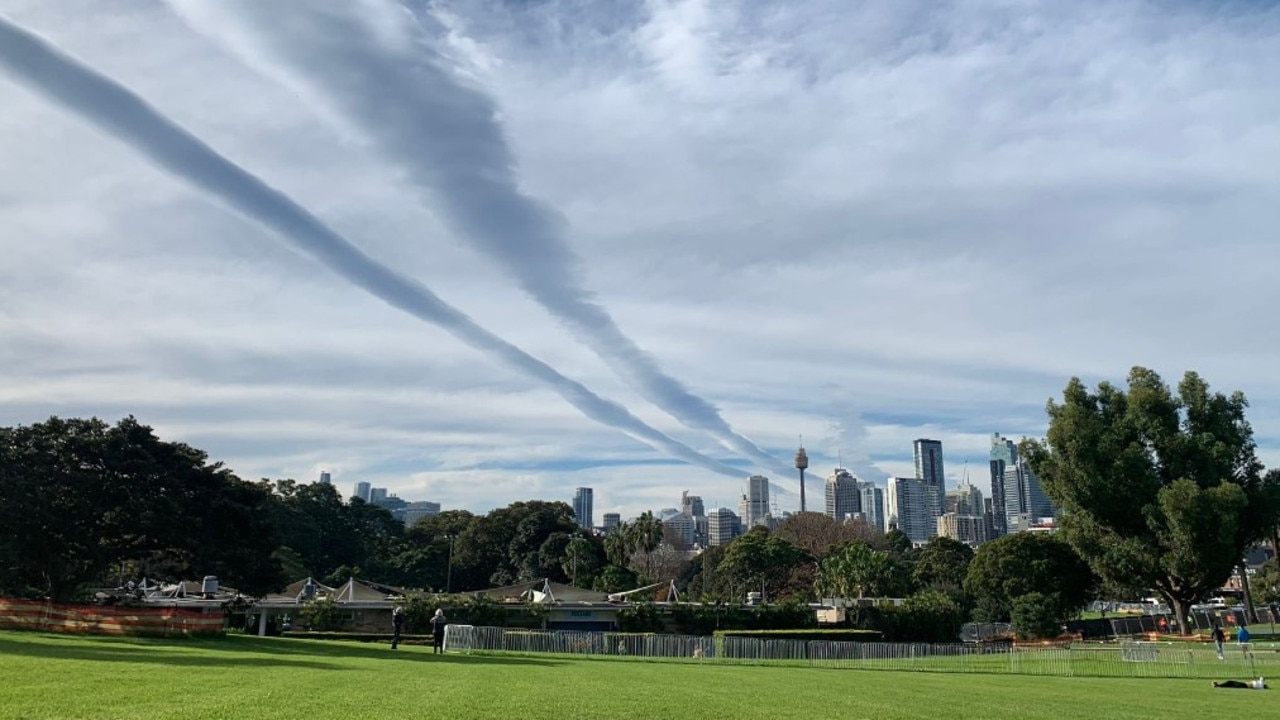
(1156, 487)
(1020, 564)
(80, 499)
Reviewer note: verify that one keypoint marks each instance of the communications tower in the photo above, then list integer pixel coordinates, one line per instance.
(802, 462)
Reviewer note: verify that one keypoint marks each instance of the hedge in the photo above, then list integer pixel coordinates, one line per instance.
(833, 635)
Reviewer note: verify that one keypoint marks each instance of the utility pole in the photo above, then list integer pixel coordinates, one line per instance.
(448, 573)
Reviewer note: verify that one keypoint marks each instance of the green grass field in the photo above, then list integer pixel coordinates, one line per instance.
(66, 677)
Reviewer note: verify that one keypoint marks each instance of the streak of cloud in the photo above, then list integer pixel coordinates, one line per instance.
(371, 64)
(121, 113)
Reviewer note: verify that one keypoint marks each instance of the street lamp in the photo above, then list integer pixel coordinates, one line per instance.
(448, 571)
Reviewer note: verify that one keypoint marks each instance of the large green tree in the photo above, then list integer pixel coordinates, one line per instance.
(1154, 486)
(857, 571)
(81, 499)
(1020, 564)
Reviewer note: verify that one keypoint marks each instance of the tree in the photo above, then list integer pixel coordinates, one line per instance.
(758, 561)
(1027, 562)
(819, 534)
(581, 561)
(1035, 615)
(1156, 487)
(941, 565)
(858, 571)
(899, 543)
(80, 498)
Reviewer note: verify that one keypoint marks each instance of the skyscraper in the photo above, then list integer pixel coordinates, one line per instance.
(362, 490)
(1018, 498)
(324, 478)
(842, 497)
(757, 505)
(691, 505)
(1004, 454)
(582, 500)
(872, 503)
(377, 495)
(1024, 498)
(611, 521)
(929, 469)
(909, 502)
(722, 526)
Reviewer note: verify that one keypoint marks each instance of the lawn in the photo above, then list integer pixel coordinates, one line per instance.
(66, 677)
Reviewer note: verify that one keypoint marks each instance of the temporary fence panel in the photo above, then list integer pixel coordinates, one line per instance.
(1126, 659)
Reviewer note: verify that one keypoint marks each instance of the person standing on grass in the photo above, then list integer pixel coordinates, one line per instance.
(438, 623)
(1242, 637)
(397, 625)
(1219, 638)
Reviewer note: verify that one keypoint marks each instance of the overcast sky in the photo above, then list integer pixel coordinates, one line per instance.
(731, 224)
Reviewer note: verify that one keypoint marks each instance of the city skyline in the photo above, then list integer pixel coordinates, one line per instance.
(698, 179)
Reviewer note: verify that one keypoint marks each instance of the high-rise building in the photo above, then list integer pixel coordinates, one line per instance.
(1025, 501)
(964, 500)
(872, 504)
(929, 469)
(377, 496)
(968, 529)
(582, 500)
(691, 505)
(683, 527)
(325, 479)
(842, 496)
(362, 490)
(757, 501)
(1004, 454)
(417, 510)
(908, 504)
(722, 526)
(611, 521)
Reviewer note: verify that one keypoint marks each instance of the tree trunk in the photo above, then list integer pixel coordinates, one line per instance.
(1250, 614)
(1179, 613)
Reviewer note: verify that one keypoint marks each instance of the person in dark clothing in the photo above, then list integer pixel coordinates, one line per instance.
(438, 623)
(397, 626)
(1219, 638)
(1258, 684)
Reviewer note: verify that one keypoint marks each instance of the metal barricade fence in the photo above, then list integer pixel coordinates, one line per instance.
(1126, 659)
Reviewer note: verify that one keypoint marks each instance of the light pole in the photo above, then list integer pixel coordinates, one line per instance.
(448, 571)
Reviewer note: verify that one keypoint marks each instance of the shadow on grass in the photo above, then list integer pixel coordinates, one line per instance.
(236, 651)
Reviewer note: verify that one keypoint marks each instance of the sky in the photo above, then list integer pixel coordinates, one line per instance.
(478, 252)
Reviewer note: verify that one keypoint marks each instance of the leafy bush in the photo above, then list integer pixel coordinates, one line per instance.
(1036, 615)
(320, 615)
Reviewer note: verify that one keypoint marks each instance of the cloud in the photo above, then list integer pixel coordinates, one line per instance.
(375, 67)
(124, 115)
(932, 214)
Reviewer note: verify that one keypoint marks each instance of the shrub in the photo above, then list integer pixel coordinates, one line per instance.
(1036, 615)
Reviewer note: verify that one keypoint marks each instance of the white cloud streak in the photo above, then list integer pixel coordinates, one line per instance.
(122, 114)
(373, 65)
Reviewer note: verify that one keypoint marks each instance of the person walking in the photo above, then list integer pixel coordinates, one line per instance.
(438, 623)
(397, 626)
(1219, 638)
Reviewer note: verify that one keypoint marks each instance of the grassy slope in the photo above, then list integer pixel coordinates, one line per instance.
(44, 676)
